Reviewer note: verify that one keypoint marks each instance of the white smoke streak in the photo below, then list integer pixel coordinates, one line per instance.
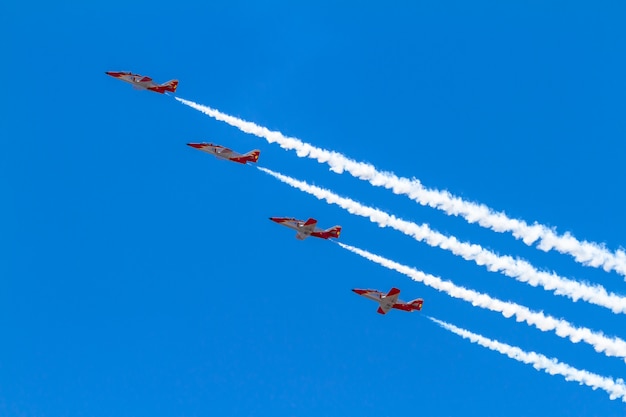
(615, 388)
(507, 265)
(610, 346)
(584, 252)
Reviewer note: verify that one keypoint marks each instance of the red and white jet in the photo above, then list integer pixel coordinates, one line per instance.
(141, 82)
(222, 152)
(307, 228)
(390, 300)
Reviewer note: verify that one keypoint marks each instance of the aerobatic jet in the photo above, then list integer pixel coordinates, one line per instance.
(141, 82)
(307, 228)
(222, 152)
(390, 300)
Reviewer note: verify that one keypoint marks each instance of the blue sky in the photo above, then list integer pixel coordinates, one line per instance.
(140, 277)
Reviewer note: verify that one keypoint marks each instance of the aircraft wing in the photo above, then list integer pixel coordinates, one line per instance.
(309, 226)
(388, 301)
(305, 229)
(383, 309)
(392, 296)
(141, 78)
(224, 151)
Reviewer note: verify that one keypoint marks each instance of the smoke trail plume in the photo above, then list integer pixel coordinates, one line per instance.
(584, 252)
(610, 346)
(615, 388)
(507, 265)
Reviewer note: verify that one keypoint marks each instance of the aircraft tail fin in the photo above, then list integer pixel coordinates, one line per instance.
(417, 304)
(171, 86)
(253, 156)
(334, 231)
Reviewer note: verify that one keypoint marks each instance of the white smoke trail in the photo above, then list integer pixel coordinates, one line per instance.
(514, 268)
(610, 346)
(584, 252)
(615, 388)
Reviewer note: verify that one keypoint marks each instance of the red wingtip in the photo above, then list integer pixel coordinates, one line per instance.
(358, 291)
(195, 145)
(393, 291)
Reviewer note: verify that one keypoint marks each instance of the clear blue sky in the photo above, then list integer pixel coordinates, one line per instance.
(140, 277)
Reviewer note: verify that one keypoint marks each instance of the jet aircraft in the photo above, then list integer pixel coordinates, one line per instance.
(390, 300)
(222, 152)
(141, 82)
(307, 228)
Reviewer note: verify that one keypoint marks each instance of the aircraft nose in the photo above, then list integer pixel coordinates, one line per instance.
(195, 145)
(274, 219)
(360, 292)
